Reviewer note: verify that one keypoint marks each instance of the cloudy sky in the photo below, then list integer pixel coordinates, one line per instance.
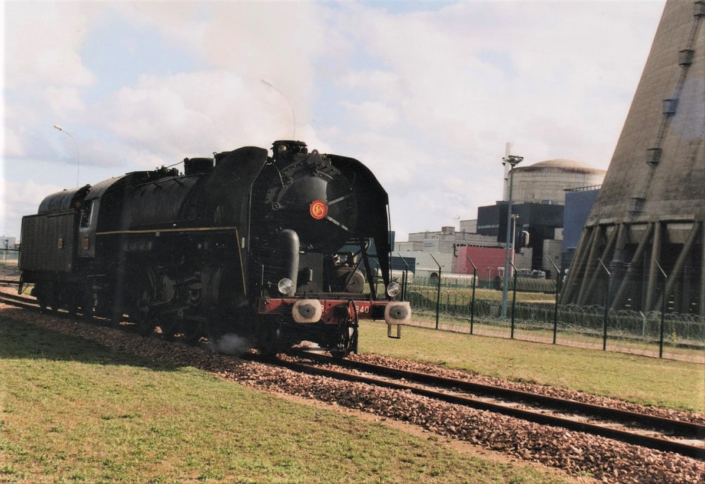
(426, 93)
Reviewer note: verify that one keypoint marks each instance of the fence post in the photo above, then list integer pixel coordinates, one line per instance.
(558, 291)
(607, 304)
(514, 296)
(404, 278)
(472, 304)
(438, 299)
(663, 309)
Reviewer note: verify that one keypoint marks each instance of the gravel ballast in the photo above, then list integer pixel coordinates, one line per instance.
(576, 453)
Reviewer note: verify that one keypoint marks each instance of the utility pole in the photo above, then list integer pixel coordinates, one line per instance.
(512, 161)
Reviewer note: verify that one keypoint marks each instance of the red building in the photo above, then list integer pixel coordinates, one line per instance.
(489, 261)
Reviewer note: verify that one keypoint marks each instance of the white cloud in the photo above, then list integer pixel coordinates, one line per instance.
(376, 115)
(64, 100)
(501, 69)
(12, 146)
(276, 41)
(380, 84)
(196, 114)
(42, 44)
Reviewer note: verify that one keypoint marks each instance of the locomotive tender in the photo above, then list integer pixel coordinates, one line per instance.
(278, 249)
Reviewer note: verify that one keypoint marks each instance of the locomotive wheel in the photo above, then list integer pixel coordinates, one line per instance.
(73, 309)
(48, 298)
(215, 328)
(346, 343)
(168, 327)
(116, 317)
(268, 338)
(193, 331)
(141, 297)
(145, 325)
(87, 306)
(41, 300)
(53, 303)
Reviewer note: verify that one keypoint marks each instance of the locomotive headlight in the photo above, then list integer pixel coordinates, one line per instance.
(393, 289)
(285, 286)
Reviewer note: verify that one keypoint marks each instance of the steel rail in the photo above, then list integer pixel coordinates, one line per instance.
(17, 297)
(529, 415)
(682, 428)
(32, 304)
(19, 301)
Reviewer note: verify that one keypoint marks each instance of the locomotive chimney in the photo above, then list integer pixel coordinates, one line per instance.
(286, 149)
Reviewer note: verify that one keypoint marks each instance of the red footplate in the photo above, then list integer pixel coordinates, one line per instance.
(330, 308)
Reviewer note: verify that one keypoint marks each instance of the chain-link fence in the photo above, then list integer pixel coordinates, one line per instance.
(524, 284)
(670, 335)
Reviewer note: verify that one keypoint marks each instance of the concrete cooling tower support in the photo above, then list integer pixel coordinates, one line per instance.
(647, 225)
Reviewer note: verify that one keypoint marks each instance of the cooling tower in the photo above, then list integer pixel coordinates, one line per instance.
(646, 227)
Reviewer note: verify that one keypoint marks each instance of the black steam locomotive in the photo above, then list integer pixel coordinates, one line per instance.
(279, 249)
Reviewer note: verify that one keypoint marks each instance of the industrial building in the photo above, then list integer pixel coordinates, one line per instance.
(539, 204)
(647, 220)
(444, 241)
(546, 182)
(578, 204)
(488, 260)
(8, 242)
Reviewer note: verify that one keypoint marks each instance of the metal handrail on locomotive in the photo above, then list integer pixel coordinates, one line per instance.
(280, 249)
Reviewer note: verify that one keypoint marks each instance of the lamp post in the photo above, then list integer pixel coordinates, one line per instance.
(293, 115)
(78, 152)
(512, 160)
(514, 234)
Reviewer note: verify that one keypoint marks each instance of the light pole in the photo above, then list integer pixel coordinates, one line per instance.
(489, 277)
(293, 115)
(514, 234)
(78, 152)
(512, 161)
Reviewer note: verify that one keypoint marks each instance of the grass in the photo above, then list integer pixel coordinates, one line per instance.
(649, 381)
(71, 410)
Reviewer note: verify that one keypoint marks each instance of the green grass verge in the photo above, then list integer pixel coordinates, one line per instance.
(649, 381)
(71, 410)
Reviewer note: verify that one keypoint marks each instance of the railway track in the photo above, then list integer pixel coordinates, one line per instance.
(658, 433)
(19, 301)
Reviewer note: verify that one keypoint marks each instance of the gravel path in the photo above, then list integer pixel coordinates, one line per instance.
(576, 453)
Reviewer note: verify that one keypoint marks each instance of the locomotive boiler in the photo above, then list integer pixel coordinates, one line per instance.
(281, 249)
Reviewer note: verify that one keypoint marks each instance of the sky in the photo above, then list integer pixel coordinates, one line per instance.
(425, 93)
